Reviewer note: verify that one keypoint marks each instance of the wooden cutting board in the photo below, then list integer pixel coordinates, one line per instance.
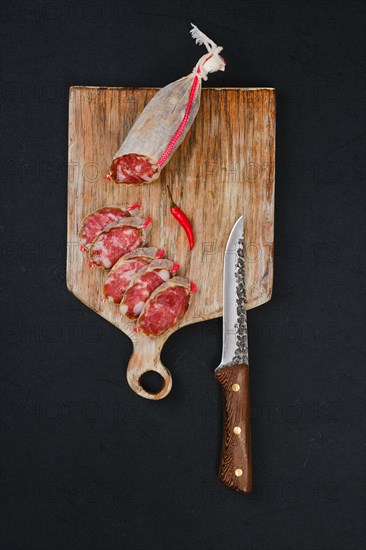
(223, 169)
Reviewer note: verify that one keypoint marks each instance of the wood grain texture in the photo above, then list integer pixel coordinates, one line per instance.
(223, 169)
(236, 454)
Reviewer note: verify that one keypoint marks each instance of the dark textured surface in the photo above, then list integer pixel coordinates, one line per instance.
(85, 463)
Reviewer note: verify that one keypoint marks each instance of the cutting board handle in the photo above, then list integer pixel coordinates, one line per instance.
(146, 358)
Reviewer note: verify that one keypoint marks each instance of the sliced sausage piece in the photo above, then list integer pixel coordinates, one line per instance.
(111, 245)
(100, 220)
(165, 308)
(124, 270)
(142, 286)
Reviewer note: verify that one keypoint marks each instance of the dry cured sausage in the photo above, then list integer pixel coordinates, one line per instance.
(143, 284)
(165, 121)
(165, 308)
(111, 245)
(124, 270)
(100, 220)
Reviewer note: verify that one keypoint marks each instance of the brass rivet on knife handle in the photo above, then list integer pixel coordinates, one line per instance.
(236, 455)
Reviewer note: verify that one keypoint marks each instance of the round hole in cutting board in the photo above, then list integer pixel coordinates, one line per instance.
(152, 381)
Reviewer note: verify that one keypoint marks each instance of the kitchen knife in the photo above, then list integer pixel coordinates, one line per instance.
(233, 371)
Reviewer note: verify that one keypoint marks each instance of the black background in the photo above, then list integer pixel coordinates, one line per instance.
(85, 463)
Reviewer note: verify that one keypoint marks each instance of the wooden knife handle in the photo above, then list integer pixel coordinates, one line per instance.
(236, 456)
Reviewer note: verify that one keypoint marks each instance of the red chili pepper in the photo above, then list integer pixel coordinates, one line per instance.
(180, 216)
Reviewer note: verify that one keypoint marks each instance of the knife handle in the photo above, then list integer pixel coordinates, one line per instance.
(236, 456)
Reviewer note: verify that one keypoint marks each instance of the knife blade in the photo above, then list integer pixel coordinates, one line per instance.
(233, 371)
